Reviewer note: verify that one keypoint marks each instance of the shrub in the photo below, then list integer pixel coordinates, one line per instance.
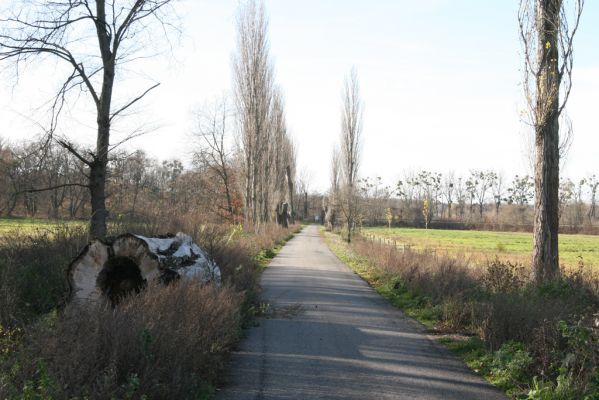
(503, 277)
(511, 366)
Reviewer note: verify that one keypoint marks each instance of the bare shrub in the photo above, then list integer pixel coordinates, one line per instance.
(507, 316)
(458, 314)
(501, 276)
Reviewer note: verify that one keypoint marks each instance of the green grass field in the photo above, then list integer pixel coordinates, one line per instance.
(515, 246)
(31, 225)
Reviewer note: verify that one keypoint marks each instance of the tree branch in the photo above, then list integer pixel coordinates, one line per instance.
(135, 100)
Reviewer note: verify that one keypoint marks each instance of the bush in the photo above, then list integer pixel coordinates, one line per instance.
(511, 366)
(503, 277)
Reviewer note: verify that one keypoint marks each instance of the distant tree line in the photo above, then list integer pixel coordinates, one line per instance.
(47, 181)
(483, 197)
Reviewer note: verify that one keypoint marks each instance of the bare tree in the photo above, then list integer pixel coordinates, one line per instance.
(279, 168)
(351, 132)
(332, 203)
(303, 187)
(592, 183)
(214, 152)
(448, 191)
(566, 193)
(460, 192)
(547, 33)
(253, 90)
(498, 191)
(429, 184)
(481, 182)
(471, 185)
(67, 31)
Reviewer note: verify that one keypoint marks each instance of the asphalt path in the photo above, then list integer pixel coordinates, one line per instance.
(326, 334)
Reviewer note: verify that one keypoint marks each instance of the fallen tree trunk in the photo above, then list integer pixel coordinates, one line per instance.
(111, 269)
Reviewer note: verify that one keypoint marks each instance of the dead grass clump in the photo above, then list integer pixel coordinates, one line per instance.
(33, 271)
(436, 276)
(503, 277)
(166, 342)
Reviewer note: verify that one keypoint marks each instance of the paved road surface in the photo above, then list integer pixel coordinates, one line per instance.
(330, 336)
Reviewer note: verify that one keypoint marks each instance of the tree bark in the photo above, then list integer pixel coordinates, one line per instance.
(305, 204)
(545, 261)
(546, 221)
(97, 190)
(112, 269)
(290, 188)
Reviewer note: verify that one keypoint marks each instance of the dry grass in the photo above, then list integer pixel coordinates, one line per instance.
(33, 271)
(166, 342)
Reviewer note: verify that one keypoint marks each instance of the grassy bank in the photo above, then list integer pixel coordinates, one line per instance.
(166, 342)
(534, 342)
(485, 245)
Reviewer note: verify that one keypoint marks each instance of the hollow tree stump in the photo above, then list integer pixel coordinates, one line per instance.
(111, 269)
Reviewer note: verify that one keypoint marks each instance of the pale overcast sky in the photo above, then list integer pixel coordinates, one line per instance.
(439, 80)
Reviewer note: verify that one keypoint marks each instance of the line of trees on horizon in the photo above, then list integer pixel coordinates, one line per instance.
(138, 187)
(483, 197)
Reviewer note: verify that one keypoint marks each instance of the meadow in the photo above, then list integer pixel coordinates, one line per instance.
(32, 225)
(486, 245)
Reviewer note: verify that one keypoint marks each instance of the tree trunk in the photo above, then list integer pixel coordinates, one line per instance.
(290, 189)
(283, 215)
(99, 166)
(97, 191)
(305, 205)
(546, 222)
(110, 270)
(545, 261)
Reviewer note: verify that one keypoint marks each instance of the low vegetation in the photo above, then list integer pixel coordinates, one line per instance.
(486, 245)
(32, 225)
(166, 342)
(532, 341)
